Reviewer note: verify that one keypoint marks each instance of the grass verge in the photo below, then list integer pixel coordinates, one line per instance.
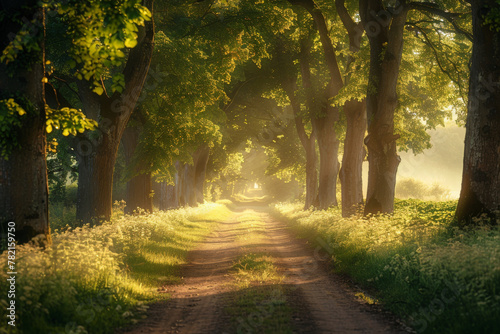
(438, 278)
(92, 280)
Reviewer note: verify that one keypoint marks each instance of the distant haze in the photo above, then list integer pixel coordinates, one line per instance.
(441, 164)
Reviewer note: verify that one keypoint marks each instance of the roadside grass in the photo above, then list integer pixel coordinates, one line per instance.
(258, 304)
(95, 279)
(436, 277)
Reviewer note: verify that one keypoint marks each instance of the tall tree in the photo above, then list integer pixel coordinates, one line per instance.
(385, 28)
(385, 33)
(23, 183)
(355, 113)
(481, 173)
(287, 75)
(26, 118)
(326, 118)
(96, 158)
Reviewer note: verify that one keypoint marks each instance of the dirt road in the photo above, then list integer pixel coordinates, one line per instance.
(321, 302)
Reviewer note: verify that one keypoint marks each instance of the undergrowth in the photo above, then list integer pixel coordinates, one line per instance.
(94, 279)
(436, 277)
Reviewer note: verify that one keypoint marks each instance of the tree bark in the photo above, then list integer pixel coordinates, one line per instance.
(95, 181)
(194, 177)
(180, 188)
(329, 166)
(23, 176)
(169, 197)
(139, 187)
(351, 173)
(97, 156)
(385, 33)
(172, 200)
(309, 145)
(200, 172)
(139, 194)
(481, 173)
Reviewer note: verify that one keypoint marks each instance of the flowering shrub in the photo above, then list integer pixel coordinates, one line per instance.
(93, 279)
(440, 279)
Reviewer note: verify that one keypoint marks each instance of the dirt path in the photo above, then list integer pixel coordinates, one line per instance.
(322, 302)
(329, 299)
(195, 304)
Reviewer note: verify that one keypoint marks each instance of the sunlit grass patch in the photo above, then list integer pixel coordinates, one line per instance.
(259, 304)
(93, 279)
(440, 279)
(367, 299)
(255, 268)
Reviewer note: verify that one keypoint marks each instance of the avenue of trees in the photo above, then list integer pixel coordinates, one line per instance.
(179, 93)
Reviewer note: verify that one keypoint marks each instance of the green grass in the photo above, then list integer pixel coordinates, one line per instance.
(61, 215)
(92, 280)
(259, 303)
(436, 277)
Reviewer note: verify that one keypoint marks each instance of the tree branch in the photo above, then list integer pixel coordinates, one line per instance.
(354, 30)
(433, 9)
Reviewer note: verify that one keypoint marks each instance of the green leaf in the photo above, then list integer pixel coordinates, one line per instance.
(130, 43)
(98, 90)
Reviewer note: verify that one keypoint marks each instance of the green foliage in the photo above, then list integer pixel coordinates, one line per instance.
(10, 123)
(438, 278)
(68, 120)
(492, 18)
(100, 31)
(92, 280)
(22, 47)
(60, 215)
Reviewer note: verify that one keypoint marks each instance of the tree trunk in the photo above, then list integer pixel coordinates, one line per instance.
(385, 33)
(172, 200)
(351, 173)
(95, 181)
(481, 173)
(308, 143)
(23, 177)
(328, 160)
(24, 183)
(97, 152)
(352, 160)
(324, 123)
(139, 194)
(189, 184)
(180, 189)
(200, 173)
(311, 173)
(139, 187)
